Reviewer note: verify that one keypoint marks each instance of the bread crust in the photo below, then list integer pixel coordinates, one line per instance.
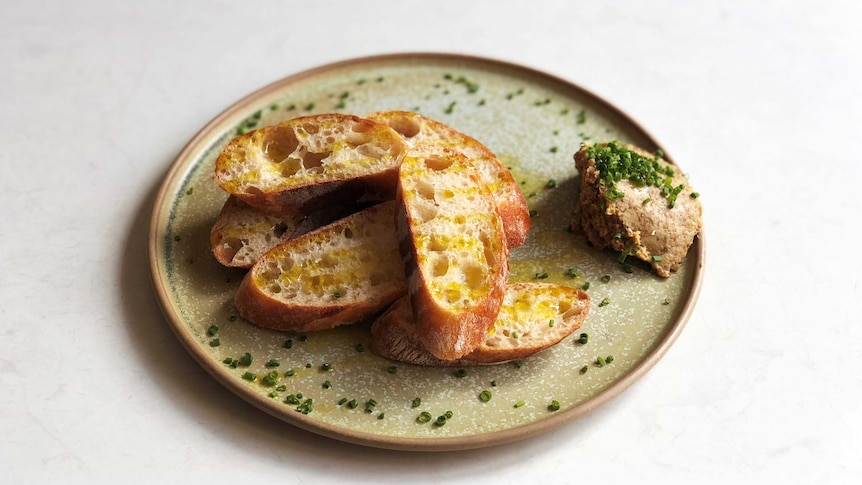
(448, 330)
(284, 311)
(510, 201)
(307, 163)
(394, 334)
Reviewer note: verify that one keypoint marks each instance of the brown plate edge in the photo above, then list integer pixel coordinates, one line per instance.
(158, 272)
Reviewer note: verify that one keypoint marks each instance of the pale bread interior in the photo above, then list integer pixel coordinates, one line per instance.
(305, 151)
(242, 234)
(346, 261)
(456, 230)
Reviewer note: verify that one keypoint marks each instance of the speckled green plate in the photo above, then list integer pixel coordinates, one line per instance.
(534, 122)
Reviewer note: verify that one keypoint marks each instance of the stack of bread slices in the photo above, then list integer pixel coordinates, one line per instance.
(393, 217)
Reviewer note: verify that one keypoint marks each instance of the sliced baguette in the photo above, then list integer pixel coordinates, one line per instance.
(522, 329)
(452, 242)
(511, 204)
(241, 234)
(309, 162)
(339, 274)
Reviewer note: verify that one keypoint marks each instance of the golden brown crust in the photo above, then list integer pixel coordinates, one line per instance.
(511, 204)
(339, 274)
(307, 163)
(453, 306)
(394, 334)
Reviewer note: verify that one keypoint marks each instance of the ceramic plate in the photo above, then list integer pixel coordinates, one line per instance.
(534, 122)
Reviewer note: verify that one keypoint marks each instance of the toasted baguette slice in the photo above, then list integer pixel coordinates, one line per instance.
(341, 273)
(241, 234)
(306, 163)
(511, 204)
(523, 328)
(455, 256)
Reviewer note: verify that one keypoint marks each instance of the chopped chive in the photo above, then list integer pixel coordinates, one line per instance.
(694, 195)
(572, 273)
(381, 415)
(485, 395)
(461, 373)
(584, 369)
(585, 286)
(582, 117)
(666, 301)
(288, 344)
(326, 367)
(520, 403)
(609, 359)
(551, 322)
(618, 235)
(327, 384)
(600, 361)
(656, 259)
(212, 330)
(249, 376)
(246, 359)
(306, 407)
(424, 417)
(449, 109)
(554, 406)
(416, 402)
(227, 360)
(605, 302)
(289, 373)
(552, 183)
(541, 276)
(352, 404)
(554, 149)
(392, 369)
(342, 401)
(583, 339)
(272, 363)
(271, 378)
(309, 107)
(441, 420)
(215, 342)
(606, 278)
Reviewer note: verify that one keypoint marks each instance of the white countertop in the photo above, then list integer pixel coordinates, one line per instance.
(759, 102)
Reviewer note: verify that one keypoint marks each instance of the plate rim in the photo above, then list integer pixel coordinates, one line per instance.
(159, 278)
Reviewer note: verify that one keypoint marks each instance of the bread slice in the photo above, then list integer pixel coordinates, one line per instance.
(307, 163)
(638, 219)
(510, 201)
(534, 316)
(241, 234)
(338, 274)
(452, 242)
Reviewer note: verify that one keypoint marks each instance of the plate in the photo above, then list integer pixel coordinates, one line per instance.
(534, 122)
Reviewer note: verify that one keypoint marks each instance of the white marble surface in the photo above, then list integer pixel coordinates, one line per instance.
(759, 101)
